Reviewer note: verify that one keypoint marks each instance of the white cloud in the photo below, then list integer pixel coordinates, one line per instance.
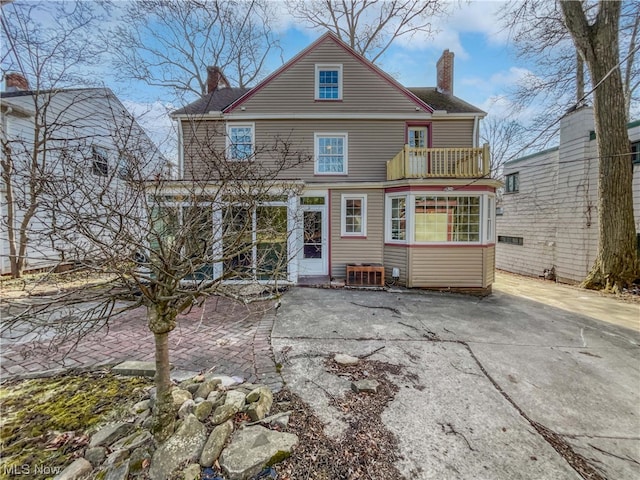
(154, 118)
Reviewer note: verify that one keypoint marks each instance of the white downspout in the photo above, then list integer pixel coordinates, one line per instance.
(180, 152)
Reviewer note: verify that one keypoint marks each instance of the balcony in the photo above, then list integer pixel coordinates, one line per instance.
(412, 162)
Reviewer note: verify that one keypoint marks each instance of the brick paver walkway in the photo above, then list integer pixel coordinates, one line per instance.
(223, 336)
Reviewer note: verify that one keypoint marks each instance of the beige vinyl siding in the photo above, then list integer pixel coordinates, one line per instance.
(489, 265)
(396, 256)
(371, 143)
(446, 267)
(452, 133)
(293, 91)
(203, 142)
(356, 250)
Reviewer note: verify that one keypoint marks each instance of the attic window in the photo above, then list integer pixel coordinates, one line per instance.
(328, 82)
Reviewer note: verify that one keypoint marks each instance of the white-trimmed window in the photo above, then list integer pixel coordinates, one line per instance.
(354, 216)
(436, 218)
(512, 183)
(240, 141)
(328, 82)
(397, 215)
(331, 153)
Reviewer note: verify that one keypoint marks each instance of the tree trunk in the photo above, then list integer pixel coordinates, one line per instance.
(161, 322)
(616, 264)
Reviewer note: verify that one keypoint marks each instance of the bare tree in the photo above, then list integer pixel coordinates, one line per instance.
(43, 56)
(595, 35)
(167, 244)
(557, 81)
(170, 43)
(369, 26)
(508, 139)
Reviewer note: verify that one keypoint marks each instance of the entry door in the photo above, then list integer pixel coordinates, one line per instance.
(313, 253)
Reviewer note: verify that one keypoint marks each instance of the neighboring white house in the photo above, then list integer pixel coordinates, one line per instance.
(549, 209)
(87, 129)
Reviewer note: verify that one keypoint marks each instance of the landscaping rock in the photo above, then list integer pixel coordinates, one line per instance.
(279, 419)
(223, 413)
(367, 386)
(235, 398)
(96, 455)
(259, 408)
(118, 472)
(78, 469)
(226, 381)
(214, 396)
(215, 443)
(134, 368)
(180, 396)
(186, 408)
(140, 459)
(192, 388)
(343, 359)
(185, 445)
(133, 441)
(203, 410)
(116, 457)
(253, 448)
(192, 472)
(206, 387)
(110, 434)
(141, 406)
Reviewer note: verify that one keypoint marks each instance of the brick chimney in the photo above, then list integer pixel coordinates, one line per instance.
(16, 82)
(216, 79)
(444, 68)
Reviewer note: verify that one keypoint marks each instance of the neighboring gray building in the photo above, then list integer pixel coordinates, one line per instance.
(86, 131)
(549, 209)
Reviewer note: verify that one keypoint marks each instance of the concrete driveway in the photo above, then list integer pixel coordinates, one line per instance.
(504, 387)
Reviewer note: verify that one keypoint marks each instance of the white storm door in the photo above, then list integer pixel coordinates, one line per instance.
(314, 254)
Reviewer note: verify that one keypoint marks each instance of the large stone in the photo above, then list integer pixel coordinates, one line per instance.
(192, 472)
(223, 413)
(135, 369)
(253, 448)
(118, 472)
(215, 443)
(235, 398)
(95, 455)
(343, 359)
(261, 400)
(367, 386)
(206, 387)
(141, 406)
(203, 410)
(184, 446)
(180, 396)
(109, 434)
(186, 408)
(133, 441)
(78, 469)
(140, 459)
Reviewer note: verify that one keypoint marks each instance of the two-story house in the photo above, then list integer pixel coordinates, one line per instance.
(396, 176)
(50, 140)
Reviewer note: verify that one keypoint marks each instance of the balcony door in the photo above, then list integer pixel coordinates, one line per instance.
(417, 139)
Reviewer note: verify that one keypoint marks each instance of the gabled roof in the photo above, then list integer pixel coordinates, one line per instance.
(215, 101)
(226, 100)
(441, 101)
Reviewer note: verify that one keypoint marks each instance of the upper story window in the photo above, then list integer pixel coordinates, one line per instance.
(331, 153)
(512, 183)
(240, 140)
(99, 164)
(328, 82)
